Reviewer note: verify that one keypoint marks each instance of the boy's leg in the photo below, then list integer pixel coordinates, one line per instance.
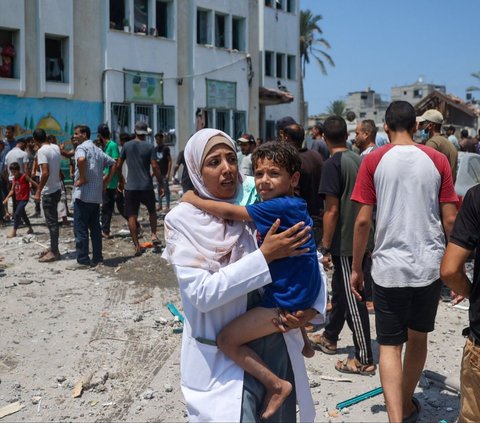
(255, 323)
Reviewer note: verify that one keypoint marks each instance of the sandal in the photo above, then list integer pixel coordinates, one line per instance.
(413, 417)
(323, 344)
(352, 366)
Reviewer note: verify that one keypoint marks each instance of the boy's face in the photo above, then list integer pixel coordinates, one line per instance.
(15, 173)
(273, 181)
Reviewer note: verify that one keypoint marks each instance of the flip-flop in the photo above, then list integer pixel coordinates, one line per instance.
(350, 366)
(413, 417)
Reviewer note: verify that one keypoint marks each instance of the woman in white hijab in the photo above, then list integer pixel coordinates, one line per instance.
(217, 264)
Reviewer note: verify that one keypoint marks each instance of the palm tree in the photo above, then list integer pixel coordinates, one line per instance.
(476, 75)
(309, 28)
(336, 108)
(309, 48)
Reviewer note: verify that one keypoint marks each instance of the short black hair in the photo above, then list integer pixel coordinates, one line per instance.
(159, 135)
(10, 127)
(103, 130)
(464, 133)
(39, 135)
(335, 130)
(14, 166)
(124, 137)
(319, 128)
(451, 128)
(84, 129)
(282, 154)
(400, 116)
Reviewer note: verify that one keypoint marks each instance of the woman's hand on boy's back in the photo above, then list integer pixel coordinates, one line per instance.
(285, 244)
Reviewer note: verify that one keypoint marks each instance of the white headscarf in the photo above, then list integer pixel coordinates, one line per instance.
(194, 151)
(195, 238)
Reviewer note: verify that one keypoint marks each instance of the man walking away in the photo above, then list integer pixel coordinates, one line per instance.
(411, 185)
(49, 189)
(139, 156)
(338, 178)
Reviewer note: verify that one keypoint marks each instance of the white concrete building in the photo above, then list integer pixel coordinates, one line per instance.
(177, 64)
(416, 92)
(366, 105)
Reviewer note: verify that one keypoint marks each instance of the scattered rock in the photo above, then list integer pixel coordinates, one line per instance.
(138, 318)
(168, 388)
(148, 394)
(60, 379)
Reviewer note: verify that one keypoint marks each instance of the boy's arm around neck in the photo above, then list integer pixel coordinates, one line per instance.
(219, 209)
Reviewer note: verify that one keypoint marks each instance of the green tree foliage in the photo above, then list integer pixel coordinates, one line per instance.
(337, 108)
(312, 44)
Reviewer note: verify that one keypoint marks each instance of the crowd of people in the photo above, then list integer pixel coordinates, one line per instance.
(258, 225)
(99, 171)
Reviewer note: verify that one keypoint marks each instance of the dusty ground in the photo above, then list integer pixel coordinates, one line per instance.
(109, 331)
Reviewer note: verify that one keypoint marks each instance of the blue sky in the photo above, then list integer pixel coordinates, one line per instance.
(380, 44)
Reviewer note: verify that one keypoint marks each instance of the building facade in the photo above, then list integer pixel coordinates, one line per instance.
(179, 65)
(416, 92)
(53, 81)
(366, 105)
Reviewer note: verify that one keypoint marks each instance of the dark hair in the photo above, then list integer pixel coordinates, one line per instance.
(124, 137)
(159, 135)
(335, 130)
(10, 127)
(21, 140)
(52, 138)
(296, 133)
(319, 128)
(464, 133)
(400, 116)
(104, 131)
(39, 135)
(451, 128)
(84, 129)
(280, 153)
(14, 166)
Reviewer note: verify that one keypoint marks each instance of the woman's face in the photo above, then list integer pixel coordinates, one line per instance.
(220, 172)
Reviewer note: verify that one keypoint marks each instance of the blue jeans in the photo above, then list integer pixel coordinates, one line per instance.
(86, 218)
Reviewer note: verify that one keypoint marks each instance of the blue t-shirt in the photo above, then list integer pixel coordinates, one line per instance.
(296, 280)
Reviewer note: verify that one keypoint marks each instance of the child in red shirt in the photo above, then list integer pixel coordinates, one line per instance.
(21, 189)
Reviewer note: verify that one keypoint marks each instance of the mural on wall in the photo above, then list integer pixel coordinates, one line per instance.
(56, 116)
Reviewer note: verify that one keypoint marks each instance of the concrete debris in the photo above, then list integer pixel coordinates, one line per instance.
(148, 394)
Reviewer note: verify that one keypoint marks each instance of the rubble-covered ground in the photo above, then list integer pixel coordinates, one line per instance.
(101, 344)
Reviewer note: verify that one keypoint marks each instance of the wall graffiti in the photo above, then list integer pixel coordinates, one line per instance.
(56, 116)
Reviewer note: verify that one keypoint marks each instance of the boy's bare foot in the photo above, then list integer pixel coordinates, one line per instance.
(275, 398)
(308, 350)
(12, 235)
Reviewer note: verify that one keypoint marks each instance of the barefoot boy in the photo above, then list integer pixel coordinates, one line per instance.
(21, 190)
(296, 280)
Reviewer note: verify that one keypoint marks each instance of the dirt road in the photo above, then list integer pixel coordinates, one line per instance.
(108, 334)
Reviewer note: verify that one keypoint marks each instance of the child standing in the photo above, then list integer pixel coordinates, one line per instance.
(296, 281)
(21, 189)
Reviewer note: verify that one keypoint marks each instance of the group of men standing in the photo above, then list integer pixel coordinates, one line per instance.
(99, 184)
